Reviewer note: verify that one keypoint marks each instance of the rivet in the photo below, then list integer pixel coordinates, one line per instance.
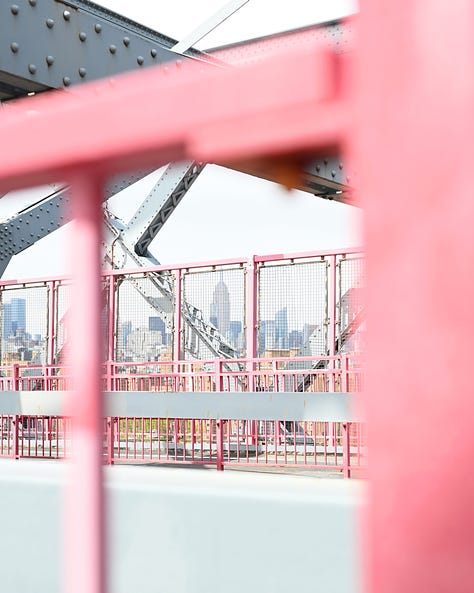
(153, 53)
(32, 2)
(325, 162)
(50, 60)
(97, 27)
(82, 72)
(32, 69)
(126, 41)
(66, 81)
(140, 60)
(179, 63)
(15, 9)
(49, 23)
(333, 173)
(318, 168)
(82, 36)
(14, 47)
(348, 179)
(112, 49)
(67, 15)
(341, 166)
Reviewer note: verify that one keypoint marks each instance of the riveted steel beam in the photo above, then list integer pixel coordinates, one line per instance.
(160, 203)
(55, 44)
(48, 214)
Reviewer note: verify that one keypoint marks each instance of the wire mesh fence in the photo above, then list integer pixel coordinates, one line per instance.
(24, 324)
(144, 317)
(213, 308)
(293, 308)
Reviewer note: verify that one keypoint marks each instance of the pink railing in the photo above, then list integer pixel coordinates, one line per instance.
(323, 445)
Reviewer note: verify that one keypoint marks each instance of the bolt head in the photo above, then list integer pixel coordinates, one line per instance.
(82, 72)
(126, 41)
(112, 49)
(49, 23)
(50, 60)
(97, 27)
(32, 69)
(32, 2)
(66, 81)
(14, 47)
(153, 53)
(67, 15)
(15, 9)
(82, 36)
(140, 60)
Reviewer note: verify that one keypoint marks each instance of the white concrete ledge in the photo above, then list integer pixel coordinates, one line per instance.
(188, 530)
(325, 407)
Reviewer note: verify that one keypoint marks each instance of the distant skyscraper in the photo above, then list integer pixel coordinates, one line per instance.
(157, 324)
(13, 317)
(281, 329)
(220, 308)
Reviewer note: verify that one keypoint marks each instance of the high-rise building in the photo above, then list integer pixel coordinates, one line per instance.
(13, 317)
(220, 308)
(281, 329)
(156, 324)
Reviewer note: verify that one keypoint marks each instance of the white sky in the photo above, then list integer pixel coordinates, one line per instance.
(225, 214)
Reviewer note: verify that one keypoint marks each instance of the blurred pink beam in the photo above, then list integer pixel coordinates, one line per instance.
(284, 105)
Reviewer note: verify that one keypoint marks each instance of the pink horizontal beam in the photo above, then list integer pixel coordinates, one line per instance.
(192, 265)
(284, 105)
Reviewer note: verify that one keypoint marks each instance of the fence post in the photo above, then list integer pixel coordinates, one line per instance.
(220, 444)
(16, 419)
(218, 379)
(346, 449)
(110, 421)
(178, 319)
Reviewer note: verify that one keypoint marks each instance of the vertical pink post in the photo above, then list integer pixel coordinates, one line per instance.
(178, 319)
(251, 319)
(84, 545)
(332, 316)
(415, 149)
(251, 331)
(51, 322)
(111, 321)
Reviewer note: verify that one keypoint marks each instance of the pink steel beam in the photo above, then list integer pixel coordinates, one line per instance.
(284, 105)
(415, 139)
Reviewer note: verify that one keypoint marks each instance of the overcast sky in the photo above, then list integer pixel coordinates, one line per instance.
(225, 214)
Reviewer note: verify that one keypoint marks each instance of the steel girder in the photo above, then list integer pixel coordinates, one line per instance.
(47, 215)
(58, 43)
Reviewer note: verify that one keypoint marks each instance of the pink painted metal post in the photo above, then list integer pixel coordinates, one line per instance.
(16, 419)
(178, 317)
(111, 327)
(251, 331)
(415, 148)
(332, 315)
(51, 322)
(85, 558)
(219, 423)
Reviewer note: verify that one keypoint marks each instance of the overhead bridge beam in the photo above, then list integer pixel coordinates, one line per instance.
(102, 43)
(55, 44)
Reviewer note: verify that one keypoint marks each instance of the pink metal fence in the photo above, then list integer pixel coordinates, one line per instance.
(298, 304)
(324, 445)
